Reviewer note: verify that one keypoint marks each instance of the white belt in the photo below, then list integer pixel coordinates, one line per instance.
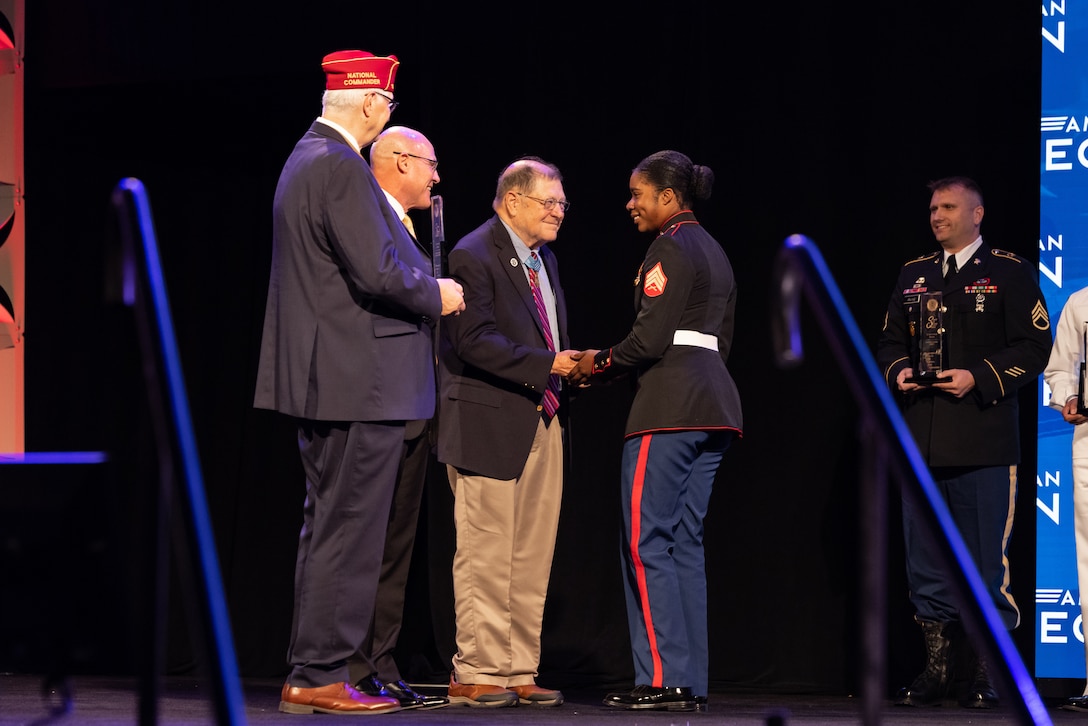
(695, 338)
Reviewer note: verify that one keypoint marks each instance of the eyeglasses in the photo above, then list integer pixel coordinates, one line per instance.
(433, 163)
(392, 104)
(549, 203)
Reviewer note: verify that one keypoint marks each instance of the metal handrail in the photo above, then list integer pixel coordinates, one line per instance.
(144, 289)
(889, 449)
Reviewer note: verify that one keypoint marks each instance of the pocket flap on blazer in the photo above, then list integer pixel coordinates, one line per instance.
(387, 327)
(475, 393)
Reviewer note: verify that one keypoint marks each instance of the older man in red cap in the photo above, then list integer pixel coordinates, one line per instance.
(347, 353)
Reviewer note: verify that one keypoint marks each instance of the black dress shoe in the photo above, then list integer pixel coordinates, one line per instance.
(649, 697)
(1076, 703)
(408, 695)
(401, 691)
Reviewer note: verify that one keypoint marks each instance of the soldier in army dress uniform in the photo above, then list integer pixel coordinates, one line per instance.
(965, 329)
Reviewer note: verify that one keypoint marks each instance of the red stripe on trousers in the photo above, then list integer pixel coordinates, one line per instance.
(640, 571)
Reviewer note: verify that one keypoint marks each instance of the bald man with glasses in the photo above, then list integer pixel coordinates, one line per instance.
(406, 179)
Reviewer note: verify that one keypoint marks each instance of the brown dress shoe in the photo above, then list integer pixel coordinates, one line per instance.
(333, 698)
(481, 695)
(534, 695)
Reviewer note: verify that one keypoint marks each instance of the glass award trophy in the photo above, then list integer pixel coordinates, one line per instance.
(438, 237)
(930, 361)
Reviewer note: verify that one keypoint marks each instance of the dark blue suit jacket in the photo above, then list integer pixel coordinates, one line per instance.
(494, 361)
(346, 331)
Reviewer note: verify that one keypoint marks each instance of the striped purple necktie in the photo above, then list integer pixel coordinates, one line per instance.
(551, 394)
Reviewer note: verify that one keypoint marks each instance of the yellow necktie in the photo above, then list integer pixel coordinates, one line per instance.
(408, 223)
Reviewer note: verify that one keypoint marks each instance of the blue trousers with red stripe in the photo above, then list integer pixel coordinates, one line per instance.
(666, 483)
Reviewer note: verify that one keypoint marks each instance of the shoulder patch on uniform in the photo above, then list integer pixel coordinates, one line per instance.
(1040, 318)
(655, 281)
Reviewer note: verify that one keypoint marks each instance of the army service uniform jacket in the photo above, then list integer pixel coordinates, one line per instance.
(996, 326)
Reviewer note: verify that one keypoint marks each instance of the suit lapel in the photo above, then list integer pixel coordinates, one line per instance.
(508, 260)
(421, 246)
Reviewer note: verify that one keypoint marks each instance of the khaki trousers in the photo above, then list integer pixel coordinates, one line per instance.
(505, 541)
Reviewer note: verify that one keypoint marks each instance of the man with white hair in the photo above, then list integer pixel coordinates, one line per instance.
(347, 353)
(405, 165)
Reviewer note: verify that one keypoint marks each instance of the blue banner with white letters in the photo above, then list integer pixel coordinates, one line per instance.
(1063, 269)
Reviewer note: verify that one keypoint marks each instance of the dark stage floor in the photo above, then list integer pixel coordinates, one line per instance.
(97, 701)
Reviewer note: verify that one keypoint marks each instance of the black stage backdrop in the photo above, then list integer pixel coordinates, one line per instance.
(820, 119)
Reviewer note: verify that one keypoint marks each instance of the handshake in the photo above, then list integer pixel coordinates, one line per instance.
(576, 366)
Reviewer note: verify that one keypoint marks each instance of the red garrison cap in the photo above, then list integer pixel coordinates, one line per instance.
(348, 69)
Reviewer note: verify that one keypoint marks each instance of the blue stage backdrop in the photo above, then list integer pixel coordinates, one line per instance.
(1063, 269)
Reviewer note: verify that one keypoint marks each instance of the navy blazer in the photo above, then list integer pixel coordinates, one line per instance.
(494, 361)
(347, 333)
